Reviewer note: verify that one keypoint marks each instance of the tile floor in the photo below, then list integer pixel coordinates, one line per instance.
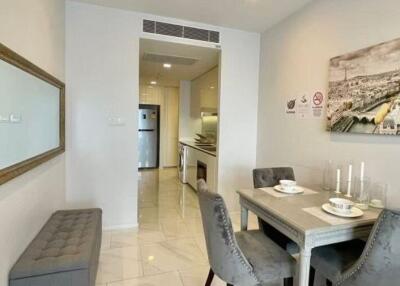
(168, 247)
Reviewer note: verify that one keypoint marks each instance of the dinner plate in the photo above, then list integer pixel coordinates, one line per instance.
(355, 212)
(296, 190)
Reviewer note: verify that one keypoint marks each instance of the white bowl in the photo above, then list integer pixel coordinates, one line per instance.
(341, 205)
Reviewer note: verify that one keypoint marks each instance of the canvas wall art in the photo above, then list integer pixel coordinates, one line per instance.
(364, 91)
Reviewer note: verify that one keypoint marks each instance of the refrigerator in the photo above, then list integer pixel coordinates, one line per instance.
(149, 136)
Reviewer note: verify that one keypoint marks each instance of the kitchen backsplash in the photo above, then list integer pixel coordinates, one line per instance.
(209, 126)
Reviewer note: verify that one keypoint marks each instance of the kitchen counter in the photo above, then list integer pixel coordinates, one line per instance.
(193, 145)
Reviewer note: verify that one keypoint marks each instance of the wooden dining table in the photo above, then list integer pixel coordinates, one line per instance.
(301, 218)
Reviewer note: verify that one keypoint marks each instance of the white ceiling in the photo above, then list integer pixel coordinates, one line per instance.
(207, 58)
(250, 15)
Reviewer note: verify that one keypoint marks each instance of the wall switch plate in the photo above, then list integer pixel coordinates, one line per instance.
(4, 119)
(116, 121)
(14, 118)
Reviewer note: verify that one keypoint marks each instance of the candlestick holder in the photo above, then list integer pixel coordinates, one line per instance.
(349, 188)
(362, 193)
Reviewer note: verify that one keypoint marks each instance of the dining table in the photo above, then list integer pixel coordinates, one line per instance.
(301, 218)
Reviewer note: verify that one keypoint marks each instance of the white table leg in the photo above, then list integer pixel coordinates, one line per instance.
(244, 218)
(304, 266)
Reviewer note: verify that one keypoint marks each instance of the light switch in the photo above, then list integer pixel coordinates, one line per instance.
(4, 119)
(15, 118)
(116, 121)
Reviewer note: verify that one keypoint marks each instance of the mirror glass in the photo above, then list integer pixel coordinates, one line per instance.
(29, 116)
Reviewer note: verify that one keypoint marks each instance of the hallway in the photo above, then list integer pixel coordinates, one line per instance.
(168, 248)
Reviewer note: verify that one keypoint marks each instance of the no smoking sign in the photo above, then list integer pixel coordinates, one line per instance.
(318, 104)
(318, 98)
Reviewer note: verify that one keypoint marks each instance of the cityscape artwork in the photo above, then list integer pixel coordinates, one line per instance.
(364, 86)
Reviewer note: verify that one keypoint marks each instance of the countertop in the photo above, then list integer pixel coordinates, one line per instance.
(192, 144)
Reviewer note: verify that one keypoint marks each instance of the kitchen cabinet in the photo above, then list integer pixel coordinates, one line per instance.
(204, 93)
(197, 158)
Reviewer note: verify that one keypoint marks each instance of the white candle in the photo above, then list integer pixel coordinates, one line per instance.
(362, 171)
(338, 181)
(349, 181)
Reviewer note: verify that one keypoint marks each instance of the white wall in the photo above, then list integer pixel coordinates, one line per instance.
(102, 74)
(295, 59)
(35, 30)
(237, 134)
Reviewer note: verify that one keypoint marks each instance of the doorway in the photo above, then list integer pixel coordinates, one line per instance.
(167, 72)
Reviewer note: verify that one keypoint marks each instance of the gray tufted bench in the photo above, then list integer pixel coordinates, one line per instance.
(64, 253)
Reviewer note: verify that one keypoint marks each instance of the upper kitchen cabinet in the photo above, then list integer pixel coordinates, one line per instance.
(204, 91)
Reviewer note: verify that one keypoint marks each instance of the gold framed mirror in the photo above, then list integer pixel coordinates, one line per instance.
(32, 115)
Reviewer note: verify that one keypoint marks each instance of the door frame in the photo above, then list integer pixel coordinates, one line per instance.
(157, 108)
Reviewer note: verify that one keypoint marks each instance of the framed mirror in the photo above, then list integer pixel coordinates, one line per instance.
(32, 115)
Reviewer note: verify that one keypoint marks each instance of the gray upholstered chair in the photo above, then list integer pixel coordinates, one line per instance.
(246, 258)
(270, 177)
(352, 264)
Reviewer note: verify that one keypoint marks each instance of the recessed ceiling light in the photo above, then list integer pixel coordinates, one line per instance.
(153, 82)
(167, 65)
(212, 87)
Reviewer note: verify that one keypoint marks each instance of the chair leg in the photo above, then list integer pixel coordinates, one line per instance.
(288, 281)
(312, 276)
(210, 277)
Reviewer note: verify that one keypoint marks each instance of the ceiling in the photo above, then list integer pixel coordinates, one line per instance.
(188, 62)
(249, 15)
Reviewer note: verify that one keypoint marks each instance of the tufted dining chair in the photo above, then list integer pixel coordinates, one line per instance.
(352, 264)
(270, 177)
(246, 258)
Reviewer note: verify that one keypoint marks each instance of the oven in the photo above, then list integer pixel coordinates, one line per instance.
(201, 171)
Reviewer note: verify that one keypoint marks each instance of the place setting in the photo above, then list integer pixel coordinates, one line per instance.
(287, 188)
(359, 196)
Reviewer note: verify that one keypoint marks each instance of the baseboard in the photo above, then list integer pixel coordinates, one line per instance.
(120, 227)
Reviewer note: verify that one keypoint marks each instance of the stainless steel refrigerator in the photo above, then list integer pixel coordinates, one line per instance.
(149, 136)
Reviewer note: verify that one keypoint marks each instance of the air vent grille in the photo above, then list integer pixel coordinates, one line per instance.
(214, 37)
(169, 29)
(196, 34)
(149, 26)
(180, 31)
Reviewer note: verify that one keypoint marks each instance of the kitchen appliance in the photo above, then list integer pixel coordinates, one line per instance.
(182, 163)
(149, 135)
(201, 171)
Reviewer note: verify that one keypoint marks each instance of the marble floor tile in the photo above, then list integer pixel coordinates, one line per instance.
(115, 268)
(168, 247)
(171, 255)
(165, 279)
(136, 237)
(197, 277)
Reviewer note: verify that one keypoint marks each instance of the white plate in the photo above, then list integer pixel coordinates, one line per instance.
(355, 212)
(296, 190)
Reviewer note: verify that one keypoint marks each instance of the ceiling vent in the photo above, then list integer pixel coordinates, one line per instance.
(180, 31)
(175, 60)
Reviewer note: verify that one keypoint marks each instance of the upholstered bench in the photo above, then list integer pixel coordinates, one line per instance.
(64, 253)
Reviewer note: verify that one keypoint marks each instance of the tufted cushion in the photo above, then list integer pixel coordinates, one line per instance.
(69, 241)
